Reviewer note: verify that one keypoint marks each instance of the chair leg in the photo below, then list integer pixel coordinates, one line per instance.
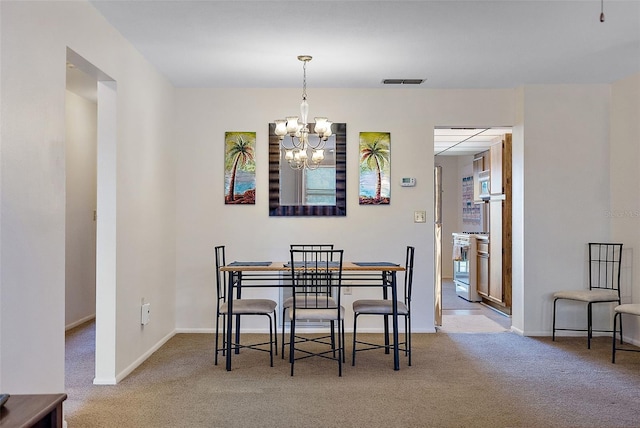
(275, 329)
(406, 336)
(589, 326)
(333, 337)
(409, 338)
(283, 341)
(237, 333)
(386, 334)
(271, 338)
(621, 339)
(613, 341)
(224, 335)
(340, 346)
(215, 358)
(353, 352)
(553, 328)
(344, 345)
(292, 330)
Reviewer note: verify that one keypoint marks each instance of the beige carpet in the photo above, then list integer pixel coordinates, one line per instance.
(456, 380)
(469, 324)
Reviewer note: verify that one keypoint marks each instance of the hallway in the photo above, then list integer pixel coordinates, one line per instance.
(462, 316)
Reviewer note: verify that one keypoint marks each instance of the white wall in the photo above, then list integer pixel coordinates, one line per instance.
(367, 232)
(625, 182)
(566, 196)
(80, 251)
(35, 36)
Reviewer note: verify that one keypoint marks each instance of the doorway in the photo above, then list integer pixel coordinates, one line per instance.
(80, 206)
(456, 151)
(91, 182)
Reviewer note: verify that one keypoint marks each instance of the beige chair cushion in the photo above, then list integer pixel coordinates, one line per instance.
(628, 308)
(381, 307)
(249, 306)
(596, 295)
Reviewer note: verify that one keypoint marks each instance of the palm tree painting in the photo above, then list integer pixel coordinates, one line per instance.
(239, 168)
(375, 168)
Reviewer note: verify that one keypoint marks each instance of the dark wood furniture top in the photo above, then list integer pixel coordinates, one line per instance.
(40, 410)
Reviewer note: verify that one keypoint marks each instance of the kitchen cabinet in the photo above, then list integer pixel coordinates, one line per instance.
(494, 283)
(482, 266)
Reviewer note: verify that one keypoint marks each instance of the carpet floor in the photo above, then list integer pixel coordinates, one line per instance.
(456, 380)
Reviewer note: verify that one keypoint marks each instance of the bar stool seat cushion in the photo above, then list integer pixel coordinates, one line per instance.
(378, 307)
(628, 308)
(593, 295)
(249, 306)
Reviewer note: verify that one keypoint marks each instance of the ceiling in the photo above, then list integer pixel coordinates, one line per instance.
(357, 44)
(452, 44)
(466, 141)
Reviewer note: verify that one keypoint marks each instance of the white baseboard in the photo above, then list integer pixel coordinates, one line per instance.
(196, 330)
(126, 372)
(79, 322)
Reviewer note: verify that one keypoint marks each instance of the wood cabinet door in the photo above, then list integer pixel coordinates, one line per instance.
(483, 269)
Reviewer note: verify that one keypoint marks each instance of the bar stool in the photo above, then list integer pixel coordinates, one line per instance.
(629, 309)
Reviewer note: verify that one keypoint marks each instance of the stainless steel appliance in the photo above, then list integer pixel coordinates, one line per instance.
(465, 269)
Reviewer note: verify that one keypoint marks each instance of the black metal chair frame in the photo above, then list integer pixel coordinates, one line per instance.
(316, 269)
(604, 274)
(403, 345)
(316, 291)
(618, 316)
(222, 279)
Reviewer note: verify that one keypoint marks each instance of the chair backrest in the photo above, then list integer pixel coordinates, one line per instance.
(605, 260)
(314, 275)
(408, 275)
(319, 247)
(221, 277)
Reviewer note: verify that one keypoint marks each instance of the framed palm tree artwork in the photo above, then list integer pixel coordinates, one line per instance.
(239, 168)
(375, 168)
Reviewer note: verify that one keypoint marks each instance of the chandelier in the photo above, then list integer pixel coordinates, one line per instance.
(306, 148)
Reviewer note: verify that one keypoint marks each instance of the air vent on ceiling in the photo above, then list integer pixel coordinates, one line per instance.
(403, 81)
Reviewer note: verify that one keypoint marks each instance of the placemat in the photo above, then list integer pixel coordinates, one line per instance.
(375, 264)
(250, 264)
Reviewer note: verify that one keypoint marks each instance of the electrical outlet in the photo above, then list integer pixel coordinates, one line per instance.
(346, 291)
(145, 314)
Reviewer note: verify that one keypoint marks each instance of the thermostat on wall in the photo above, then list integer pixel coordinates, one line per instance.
(408, 182)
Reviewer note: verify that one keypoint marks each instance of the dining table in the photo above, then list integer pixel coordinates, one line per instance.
(251, 274)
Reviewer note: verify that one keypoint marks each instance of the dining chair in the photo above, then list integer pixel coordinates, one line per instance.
(241, 307)
(605, 260)
(628, 309)
(288, 302)
(316, 270)
(384, 307)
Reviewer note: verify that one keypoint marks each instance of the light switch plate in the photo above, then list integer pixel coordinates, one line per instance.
(420, 217)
